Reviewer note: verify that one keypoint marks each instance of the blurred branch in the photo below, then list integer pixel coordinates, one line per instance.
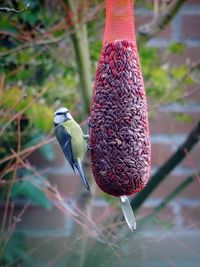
(164, 102)
(29, 150)
(81, 48)
(14, 175)
(12, 10)
(12, 228)
(182, 186)
(160, 21)
(167, 167)
(156, 107)
(156, 7)
(44, 90)
(31, 44)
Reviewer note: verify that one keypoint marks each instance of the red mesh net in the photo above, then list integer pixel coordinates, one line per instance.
(119, 131)
(119, 21)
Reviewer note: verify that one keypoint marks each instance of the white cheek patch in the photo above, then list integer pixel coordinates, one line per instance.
(59, 119)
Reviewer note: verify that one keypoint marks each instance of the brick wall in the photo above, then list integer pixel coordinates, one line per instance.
(166, 135)
(166, 132)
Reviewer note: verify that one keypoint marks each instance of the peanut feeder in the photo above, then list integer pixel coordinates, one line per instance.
(119, 133)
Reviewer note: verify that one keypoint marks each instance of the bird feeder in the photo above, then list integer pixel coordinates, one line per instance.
(119, 133)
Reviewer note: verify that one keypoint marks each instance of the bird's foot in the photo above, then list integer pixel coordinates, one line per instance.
(88, 147)
(86, 136)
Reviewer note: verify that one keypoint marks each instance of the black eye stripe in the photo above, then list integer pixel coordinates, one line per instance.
(61, 113)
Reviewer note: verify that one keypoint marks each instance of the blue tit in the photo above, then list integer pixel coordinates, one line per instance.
(71, 139)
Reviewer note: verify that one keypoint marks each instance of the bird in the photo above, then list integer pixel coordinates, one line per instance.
(71, 139)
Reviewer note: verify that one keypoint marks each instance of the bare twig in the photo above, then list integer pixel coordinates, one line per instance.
(12, 10)
(81, 47)
(167, 167)
(182, 186)
(2, 80)
(22, 111)
(13, 227)
(13, 178)
(156, 7)
(160, 21)
(31, 44)
(28, 150)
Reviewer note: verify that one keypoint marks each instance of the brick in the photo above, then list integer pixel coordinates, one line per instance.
(193, 158)
(171, 182)
(193, 94)
(190, 54)
(165, 123)
(164, 218)
(172, 249)
(37, 158)
(141, 20)
(143, 212)
(101, 213)
(49, 250)
(166, 186)
(39, 218)
(190, 26)
(160, 153)
(193, 2)
(191, 217)
(166, 32)
(65, 183)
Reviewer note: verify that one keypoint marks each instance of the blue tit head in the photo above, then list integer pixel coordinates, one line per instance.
(61, 115)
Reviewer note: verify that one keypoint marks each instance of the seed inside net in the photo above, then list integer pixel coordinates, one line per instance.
(120, 153)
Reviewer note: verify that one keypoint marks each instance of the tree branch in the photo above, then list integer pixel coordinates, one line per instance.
(182, 186)
(169, 165)
(160, 21)
(81, 47)
(12, 10)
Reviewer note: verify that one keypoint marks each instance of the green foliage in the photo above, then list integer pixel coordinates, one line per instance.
(15, 252)
(183, 117)
(164, 81)
(41, 116)
(32, 188)
(177, 48)
(180, 72)
(156, 77)
(95, 48)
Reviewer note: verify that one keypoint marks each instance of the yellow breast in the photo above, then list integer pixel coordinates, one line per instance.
(77, 140)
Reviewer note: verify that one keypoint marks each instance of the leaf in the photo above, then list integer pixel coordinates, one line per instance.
(183, 117)
(148, 55)
(15, 250)
(179, 72)
(48, 152)
(177, 48)
(95, 48)
(41, 116)
(15, 98)
(33, 190)
(11, 96)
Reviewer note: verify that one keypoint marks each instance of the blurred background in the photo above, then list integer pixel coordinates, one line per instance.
(48, 58)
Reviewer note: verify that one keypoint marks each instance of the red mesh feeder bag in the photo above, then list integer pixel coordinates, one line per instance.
(119, 133)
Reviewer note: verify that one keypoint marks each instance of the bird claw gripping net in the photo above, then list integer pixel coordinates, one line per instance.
(119, 133)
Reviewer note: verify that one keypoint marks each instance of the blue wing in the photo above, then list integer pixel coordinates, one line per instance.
(64, 139)
(78, 166)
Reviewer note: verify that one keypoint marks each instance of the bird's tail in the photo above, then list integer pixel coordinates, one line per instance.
(80, 170)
